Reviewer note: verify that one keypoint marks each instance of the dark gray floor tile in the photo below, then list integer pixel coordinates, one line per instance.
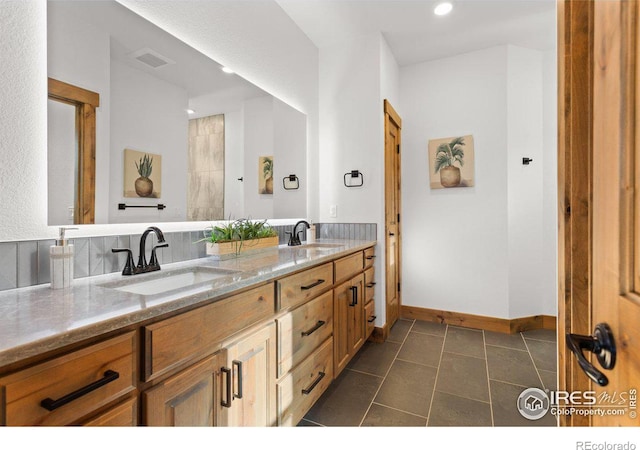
(542, 335)
(399, 330)
(408, 387)
(306, 423)
(422, 349)
(381, 416)
(504, 397)
(512, 366)
(437, 329)
(464, 376)
(464, 341)
(549, 379)
(453, 411)
(346, 400)
(544, 354)
(374, 358)
(505, 340)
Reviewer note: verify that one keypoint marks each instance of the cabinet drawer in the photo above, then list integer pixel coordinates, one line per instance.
(197, 333)
(123, 415)
(106, 370)
(302, 330)
(298, 288)
(370, 318)
(348, 266)
(369, 257)
(369, 285)
(299, 390)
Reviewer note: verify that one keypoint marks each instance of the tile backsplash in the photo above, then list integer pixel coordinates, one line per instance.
(26, 263)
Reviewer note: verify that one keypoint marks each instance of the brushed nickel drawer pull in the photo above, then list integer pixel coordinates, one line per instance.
(312, 330)
(372, 284)
(312, 285)
(308, 390)
(227, 403)
(372, 319)
(50, 404)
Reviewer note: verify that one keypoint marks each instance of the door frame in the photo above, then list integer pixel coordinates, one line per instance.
(390, 114)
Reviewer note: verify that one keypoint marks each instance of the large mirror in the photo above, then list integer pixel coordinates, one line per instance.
(176, 137)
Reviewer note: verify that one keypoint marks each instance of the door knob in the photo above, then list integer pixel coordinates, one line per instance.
(601, 344)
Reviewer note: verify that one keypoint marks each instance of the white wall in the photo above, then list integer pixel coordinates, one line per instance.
(355, 77)
(455, 254)
(482, 250)
(257, 39)
(148, 115)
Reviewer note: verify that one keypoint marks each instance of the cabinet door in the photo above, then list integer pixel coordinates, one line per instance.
(252, 361)
(348, 321)
(188, 398)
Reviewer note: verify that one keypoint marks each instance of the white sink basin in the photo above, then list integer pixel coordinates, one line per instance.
(172, 281)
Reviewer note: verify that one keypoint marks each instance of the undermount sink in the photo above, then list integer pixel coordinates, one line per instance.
(180, 279)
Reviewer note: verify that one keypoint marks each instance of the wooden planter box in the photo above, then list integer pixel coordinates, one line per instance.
(226, 250)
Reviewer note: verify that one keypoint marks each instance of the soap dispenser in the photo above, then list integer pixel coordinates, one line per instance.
(311, 233)
(61, 259)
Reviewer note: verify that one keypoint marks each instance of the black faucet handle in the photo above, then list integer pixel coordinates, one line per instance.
(154, 259)
(128, 267)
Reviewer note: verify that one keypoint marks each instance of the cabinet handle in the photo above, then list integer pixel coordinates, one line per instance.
(372, 319)
(370, 257)
(372, 284)
(312, 285)
(227, 403)
(238, 366)
(50, 404)
(354, 295)
(313, 330)
(308, 390)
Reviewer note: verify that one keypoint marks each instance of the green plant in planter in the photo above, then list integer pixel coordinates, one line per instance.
(447, 155)
(143, 184)
(238, 231)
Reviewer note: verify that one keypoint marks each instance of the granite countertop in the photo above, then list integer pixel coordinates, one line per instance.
(38, 319)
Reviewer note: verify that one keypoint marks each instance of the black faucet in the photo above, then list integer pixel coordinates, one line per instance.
(294, 239)
(143, 266)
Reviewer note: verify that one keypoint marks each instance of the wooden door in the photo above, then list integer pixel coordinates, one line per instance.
(189, 398)
(392, 130)
(600, 264)
(252, 361)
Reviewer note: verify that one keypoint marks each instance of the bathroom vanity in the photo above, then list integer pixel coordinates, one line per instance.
(251, 341)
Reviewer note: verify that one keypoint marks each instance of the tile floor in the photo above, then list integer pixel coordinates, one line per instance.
(429, 374)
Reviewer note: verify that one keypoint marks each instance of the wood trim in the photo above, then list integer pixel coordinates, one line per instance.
(380, 334)
(575, 153)
(85, 102)
(388, 109)
(508, 326)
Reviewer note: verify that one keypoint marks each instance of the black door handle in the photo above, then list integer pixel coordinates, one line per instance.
(601, 344)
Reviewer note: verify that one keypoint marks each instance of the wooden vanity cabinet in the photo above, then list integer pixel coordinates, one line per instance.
(369, 303)
(77, 388)
(348, 321)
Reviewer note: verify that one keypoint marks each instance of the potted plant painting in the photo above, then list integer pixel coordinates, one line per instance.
(447, 155)
(267, 174)
(239, 236)
(144, 184)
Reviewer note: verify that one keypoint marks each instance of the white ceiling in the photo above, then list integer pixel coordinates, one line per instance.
(415, 34)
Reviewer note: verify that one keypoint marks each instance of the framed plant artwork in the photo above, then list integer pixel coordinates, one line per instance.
(265, 175)
(451, 162)
(142, 174)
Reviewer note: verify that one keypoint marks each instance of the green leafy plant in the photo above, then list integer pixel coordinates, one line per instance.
(240, 230)
(448, 154)
(146, 166)
(267, 168)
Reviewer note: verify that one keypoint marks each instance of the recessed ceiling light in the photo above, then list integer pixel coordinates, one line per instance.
(442, 9)
(227, 70)
(190, 111)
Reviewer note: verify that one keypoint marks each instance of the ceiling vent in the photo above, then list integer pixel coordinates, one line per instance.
(151, 58)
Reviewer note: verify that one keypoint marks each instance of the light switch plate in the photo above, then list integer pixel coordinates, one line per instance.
(333, 211)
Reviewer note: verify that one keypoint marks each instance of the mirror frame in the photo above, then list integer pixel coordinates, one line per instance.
(85, 102)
